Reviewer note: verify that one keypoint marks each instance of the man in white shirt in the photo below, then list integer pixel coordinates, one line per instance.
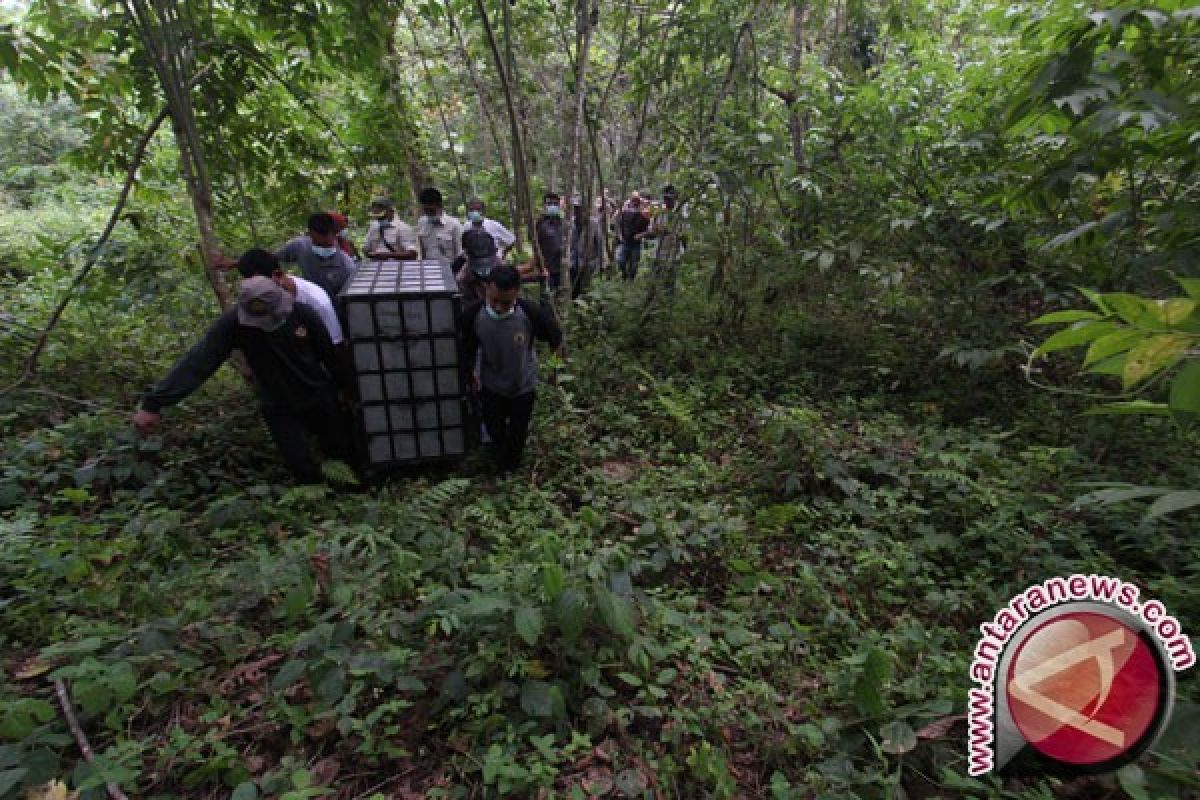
(263, 263)
(439, 236)
(484, 245)
(388, 238)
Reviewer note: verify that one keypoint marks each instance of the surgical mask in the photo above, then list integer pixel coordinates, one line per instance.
(323, 252)
(497, 315)
(553, 211)
(475, 216)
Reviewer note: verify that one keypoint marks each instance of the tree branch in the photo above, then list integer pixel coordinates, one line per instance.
(64, 702)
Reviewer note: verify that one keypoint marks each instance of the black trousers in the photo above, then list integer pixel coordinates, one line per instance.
(507, 421)
(291, 429)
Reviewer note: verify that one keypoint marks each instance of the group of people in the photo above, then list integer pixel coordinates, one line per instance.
(285, 336)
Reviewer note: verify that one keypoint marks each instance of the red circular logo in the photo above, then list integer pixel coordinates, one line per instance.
(1084, 688)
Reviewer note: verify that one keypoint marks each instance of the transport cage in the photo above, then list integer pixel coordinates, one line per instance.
(401, 323)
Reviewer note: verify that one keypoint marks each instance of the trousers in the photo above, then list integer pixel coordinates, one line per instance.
(507, 421)
(290, 430)
(628, 257)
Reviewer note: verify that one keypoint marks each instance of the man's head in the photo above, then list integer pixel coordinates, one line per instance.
(635, 200)
(323, 232)
(263, 304)
(553, 203)
(503, 287)
(669, 196)
(381, 208)
(431, 202)
(258, 262)
(475, 210)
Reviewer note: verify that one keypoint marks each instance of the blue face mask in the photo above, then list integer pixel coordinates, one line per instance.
(553, 211)
(496, 315)
(475, 216)
(323, 252)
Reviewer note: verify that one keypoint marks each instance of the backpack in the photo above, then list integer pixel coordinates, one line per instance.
(479, 246)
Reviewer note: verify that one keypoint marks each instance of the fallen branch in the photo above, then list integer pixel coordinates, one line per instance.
(64, 702)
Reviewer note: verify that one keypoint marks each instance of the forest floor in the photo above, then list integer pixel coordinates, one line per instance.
(744, 559)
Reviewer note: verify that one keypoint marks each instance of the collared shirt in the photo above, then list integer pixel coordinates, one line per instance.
(439, 240)
(317, 299)
(382, 233)
(328, 273)
(503, 237)
(550, 234)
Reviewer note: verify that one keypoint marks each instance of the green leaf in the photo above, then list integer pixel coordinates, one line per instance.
(1130, 407)
(1174, 311)
(288, 674)
(1135, 310)
(616, 611)
(1191, 286)
(529, 624)
(898, 738)
(11, 779)
(1075, 336)
(1114, 366)
(1109, 345)
(1065, 316)
(1151, 356)
(1122, 494)
(553, 580)
(571, 612)
(1184, 399)
(538, 698)
(245, 791)
(1173, 502)
(332, 687)
(484, 604)
(868, 688)
(1133, 781)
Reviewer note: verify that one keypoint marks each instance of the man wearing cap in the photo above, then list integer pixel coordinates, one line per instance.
(318, 255)
(294, 363)
(263, 263)
(439, 237)
(485, 242)
(389, 239)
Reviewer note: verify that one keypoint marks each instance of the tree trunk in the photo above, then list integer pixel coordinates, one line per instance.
(797, 117)
(485, 113)
(520, 174)
(583, 38)
(437, 98)
(160, 30)
(416, 174)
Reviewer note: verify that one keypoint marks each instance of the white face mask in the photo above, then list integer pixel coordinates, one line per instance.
(499, 315)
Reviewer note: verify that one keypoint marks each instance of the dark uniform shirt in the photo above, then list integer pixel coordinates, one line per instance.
(292, 364)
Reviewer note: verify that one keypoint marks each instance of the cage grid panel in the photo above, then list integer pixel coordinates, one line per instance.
(401, 326)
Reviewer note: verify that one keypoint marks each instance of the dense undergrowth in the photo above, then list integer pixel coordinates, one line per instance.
(747, 558)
